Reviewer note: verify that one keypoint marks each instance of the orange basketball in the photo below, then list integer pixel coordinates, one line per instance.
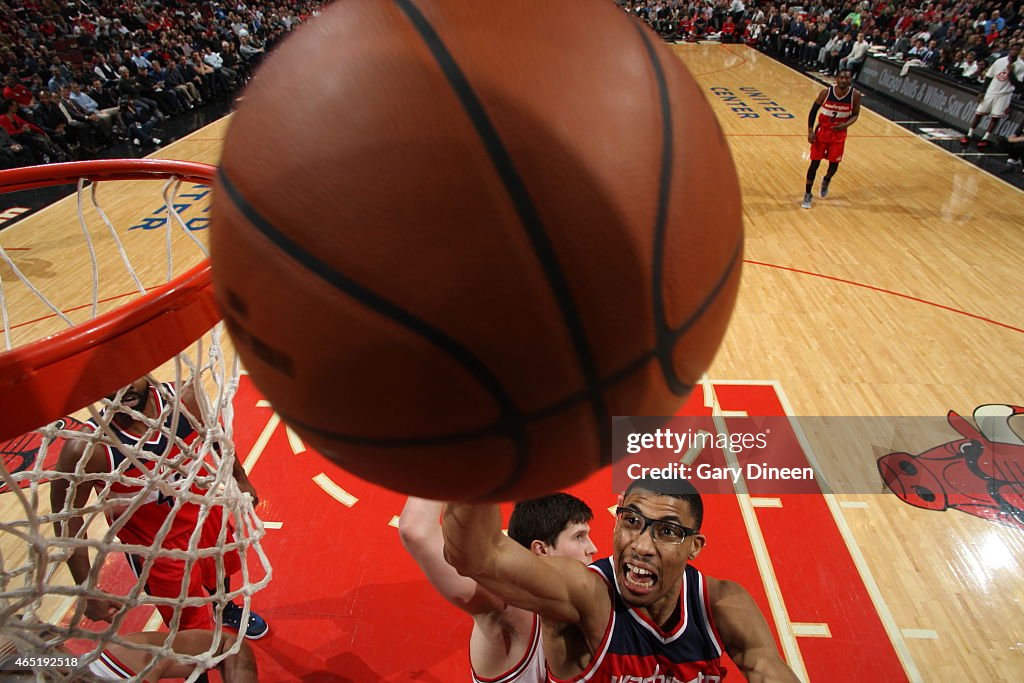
(452, 239)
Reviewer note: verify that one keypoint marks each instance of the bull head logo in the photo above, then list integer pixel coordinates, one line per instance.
(21, 453)
(981, 473)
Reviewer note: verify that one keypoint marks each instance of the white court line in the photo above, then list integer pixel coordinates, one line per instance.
(12, 213)
(62, 609)
(804, 630)
(780, 614)
(854, 504)
(766, 502)
(920, 633)
(261, 442)
(334, 491)
(155, 621)
(294, 441)
(694, 451)
(273, 525)
(884, 614)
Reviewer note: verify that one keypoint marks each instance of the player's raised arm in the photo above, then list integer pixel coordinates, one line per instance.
(745, 634)
(557, 588)
(419, 527)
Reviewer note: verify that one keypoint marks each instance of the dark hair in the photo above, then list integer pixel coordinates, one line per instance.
(542, 519)
(674, 488)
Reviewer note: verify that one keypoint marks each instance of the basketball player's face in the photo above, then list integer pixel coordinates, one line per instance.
(647, 572)
(136, 395)
(843, 80)
(575, 542)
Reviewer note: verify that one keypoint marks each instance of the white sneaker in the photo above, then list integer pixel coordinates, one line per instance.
(806, 204)
(136, 142)
(1013, 162)
(156, 141)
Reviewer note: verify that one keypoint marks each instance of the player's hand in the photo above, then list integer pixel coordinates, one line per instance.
(247, 487)
(810, 136)
(102, 610)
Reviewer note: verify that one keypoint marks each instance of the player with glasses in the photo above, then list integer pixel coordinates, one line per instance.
(644, 613)
(661, 531)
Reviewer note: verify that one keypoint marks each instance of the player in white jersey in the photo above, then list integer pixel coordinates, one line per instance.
(1005, 74)
(505, 644)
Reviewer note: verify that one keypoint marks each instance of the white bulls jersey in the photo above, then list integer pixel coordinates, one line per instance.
(530, 669)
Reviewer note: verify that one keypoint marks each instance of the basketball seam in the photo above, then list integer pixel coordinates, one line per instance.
(509, 424)
(662, 335)
(512, 423)
(665, 335)
(528, 214)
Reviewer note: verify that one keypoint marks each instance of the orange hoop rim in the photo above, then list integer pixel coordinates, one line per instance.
(48, 378)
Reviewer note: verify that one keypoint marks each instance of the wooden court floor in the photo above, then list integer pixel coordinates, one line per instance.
(897, 296)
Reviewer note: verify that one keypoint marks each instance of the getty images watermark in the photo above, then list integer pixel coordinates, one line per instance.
(716, 457)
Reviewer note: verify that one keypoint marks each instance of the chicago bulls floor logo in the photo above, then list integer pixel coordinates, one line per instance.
(20, 453)
(982, 473)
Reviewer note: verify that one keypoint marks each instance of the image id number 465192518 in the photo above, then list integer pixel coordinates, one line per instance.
(23, 662)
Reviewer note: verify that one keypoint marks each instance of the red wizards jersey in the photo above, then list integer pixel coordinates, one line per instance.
(635, 649)
(145, 522)
(835, 110)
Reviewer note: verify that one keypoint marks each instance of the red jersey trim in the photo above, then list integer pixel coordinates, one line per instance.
(517, 670)
(708, 616)
(653, 628)
(115, 664)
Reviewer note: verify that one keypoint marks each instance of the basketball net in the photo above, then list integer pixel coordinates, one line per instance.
(42, 610)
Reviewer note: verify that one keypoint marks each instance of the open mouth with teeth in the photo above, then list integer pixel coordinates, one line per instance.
(131, 399)
(639, 580)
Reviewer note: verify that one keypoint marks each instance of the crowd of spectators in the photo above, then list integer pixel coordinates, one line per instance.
(960, 39)
(81, 76)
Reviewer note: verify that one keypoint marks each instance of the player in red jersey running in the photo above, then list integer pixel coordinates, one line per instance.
(840, 107)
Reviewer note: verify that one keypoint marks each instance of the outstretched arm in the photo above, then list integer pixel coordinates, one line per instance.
(745, 634)
(419, 527)
(557, 588)
(61, 496)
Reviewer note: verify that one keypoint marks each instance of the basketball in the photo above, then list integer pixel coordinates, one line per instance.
(452, 240)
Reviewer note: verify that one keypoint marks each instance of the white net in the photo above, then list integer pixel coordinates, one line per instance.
(131, 511)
